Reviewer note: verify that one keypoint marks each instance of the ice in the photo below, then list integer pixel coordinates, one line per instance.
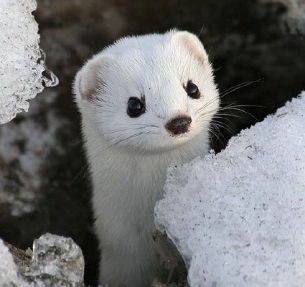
(238, 217)
(21, 61)
(57, 261)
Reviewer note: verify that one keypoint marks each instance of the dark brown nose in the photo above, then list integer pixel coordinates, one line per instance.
(178, 125)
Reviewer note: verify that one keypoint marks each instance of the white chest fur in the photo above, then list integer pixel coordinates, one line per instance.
(145, 102)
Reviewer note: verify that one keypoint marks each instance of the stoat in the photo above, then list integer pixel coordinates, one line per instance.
(145, 101)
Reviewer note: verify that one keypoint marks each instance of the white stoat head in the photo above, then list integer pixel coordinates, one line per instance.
(150, 93)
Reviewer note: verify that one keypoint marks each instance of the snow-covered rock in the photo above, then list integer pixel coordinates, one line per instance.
(238, 217)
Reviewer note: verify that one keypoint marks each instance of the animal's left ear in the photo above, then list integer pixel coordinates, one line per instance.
(191, 43)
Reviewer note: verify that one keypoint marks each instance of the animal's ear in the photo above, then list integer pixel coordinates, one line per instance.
(89, 80)
(191, 43)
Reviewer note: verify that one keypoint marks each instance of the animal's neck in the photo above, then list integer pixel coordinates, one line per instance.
(133, 179)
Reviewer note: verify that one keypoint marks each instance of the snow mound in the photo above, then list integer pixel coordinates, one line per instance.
(20, 66)
(238, 217)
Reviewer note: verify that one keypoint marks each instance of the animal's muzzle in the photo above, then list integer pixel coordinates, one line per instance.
(179, 125)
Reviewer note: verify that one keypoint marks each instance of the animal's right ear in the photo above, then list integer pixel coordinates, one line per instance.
(89, 80)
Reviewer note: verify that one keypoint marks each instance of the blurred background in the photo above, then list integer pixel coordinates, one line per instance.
(257, 48)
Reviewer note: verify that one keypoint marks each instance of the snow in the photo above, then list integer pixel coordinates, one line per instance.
(20, 68)
(8, 269)
(238, 217)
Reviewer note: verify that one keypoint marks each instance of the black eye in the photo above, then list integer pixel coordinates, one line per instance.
(192, 90)
(135, 107)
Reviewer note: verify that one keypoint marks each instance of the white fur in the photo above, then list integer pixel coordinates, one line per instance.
(128, 157)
